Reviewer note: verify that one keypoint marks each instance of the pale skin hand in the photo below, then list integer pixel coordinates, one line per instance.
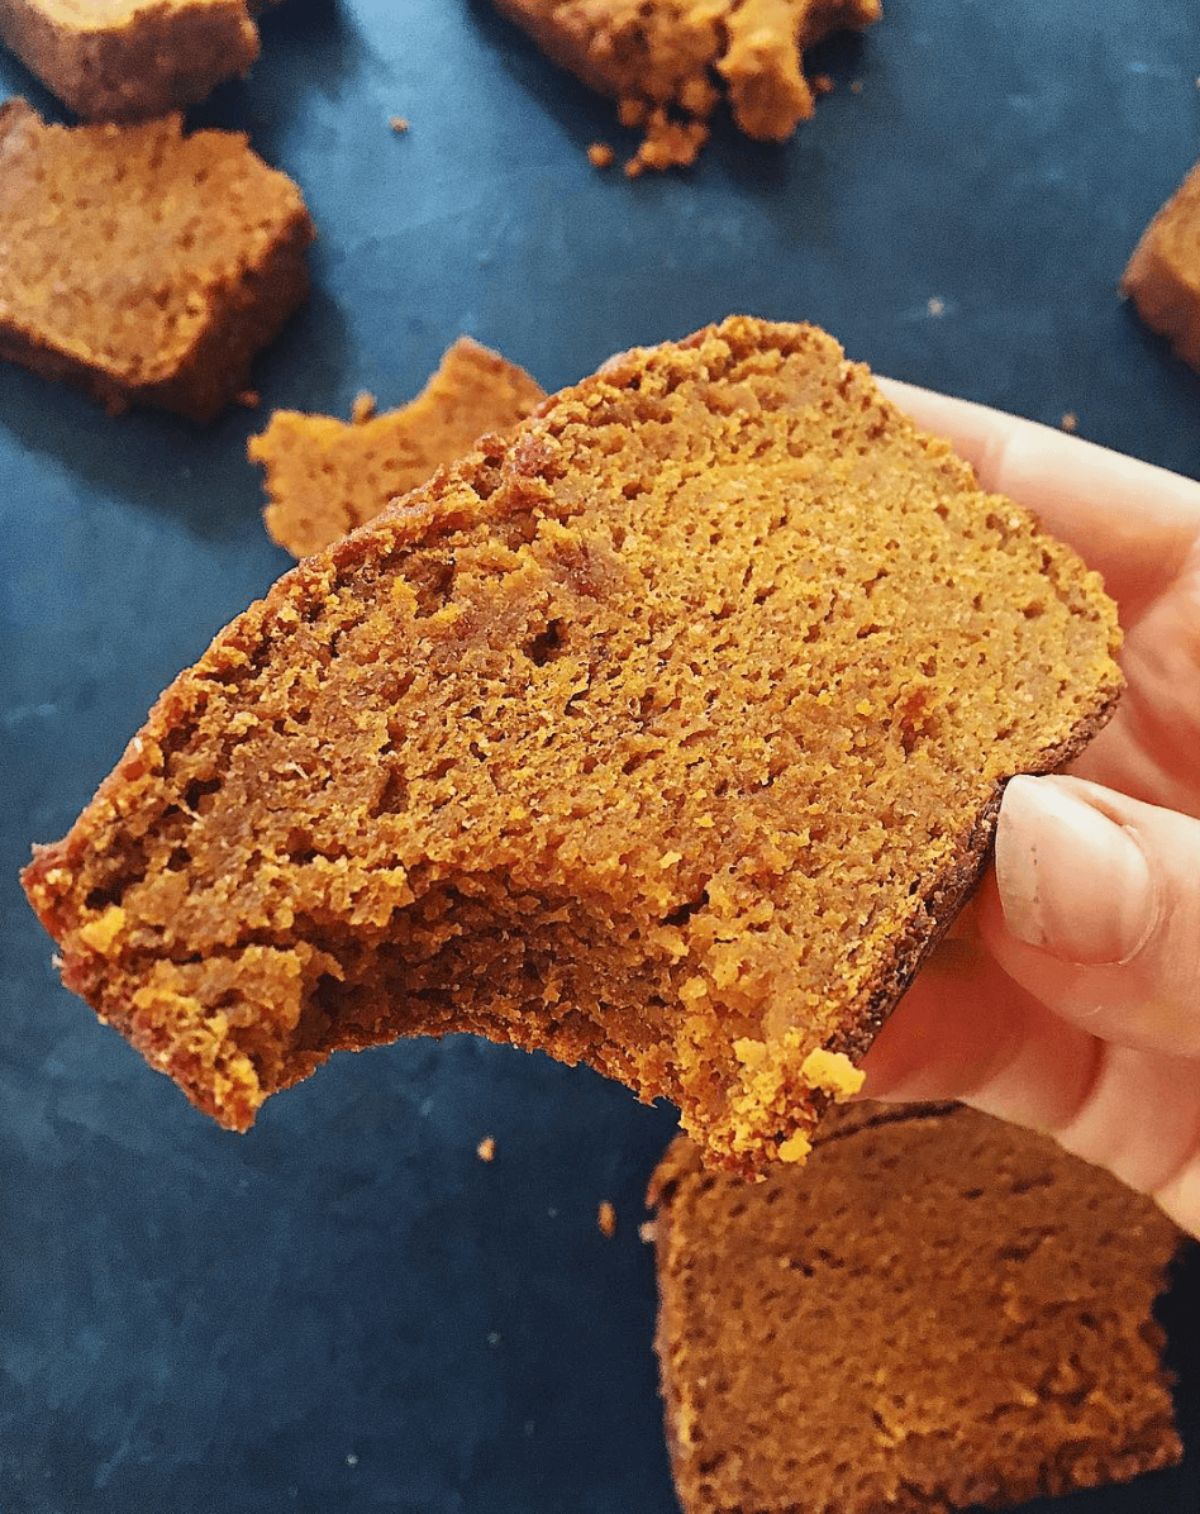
(1068, 999)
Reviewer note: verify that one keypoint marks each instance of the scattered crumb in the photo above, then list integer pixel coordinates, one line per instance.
(822, 84)
(363, 409)
(399, 124)
(856, 86)
(936, 307)
(552, 1212)
(646, 1232)
(600, 155)
(606, 1219)
(486, 1150)
(250, 398)
(1070, 421)
(351, 1459)
(493, 1337)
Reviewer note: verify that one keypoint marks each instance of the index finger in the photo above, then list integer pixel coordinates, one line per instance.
(1131, 521)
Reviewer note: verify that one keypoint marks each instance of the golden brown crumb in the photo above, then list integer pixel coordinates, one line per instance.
(363, 409)
(822, 84)
(600, 155)
(486, 1150)
(399, 124)
(606, 1219)
(249, 399)
(646, 1232)
(1070, 421)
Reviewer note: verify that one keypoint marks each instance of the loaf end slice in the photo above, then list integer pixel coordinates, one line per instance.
(666, 734)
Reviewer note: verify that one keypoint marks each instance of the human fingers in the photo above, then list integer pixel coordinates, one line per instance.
(965, 1031)
(1150, 747)
(1094, 909)
(1134, 523)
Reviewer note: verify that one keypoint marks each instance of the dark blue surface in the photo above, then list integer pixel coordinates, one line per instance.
(345, 1311)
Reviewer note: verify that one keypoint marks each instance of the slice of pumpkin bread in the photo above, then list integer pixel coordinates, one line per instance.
(121, 60)
(325, 476)
(941, 1311)
(1163, 276)
(667, 735)
(145, 265)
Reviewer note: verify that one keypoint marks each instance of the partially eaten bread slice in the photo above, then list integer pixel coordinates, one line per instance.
(667, 734)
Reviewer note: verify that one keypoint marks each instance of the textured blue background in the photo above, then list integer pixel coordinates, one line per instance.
(345, 1311)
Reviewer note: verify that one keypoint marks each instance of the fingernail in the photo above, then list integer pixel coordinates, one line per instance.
(1072, 881)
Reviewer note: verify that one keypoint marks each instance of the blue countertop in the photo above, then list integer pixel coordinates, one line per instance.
(345, 1310)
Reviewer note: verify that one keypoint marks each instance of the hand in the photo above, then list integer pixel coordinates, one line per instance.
(1068, 997)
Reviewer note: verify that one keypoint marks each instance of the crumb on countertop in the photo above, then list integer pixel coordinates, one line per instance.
(363, 408)
(856, 86)
(822, 84)
(646, 1232)
(250, 399)
(399, 124)
(606, 1218)
(486, 1150)
(600, 155)
(936, 306)
(1069, 421)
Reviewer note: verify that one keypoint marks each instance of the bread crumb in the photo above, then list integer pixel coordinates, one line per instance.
(936, 306)
(606, 1219)
(832, 1072)
(493, 1337)
(856, 86)
(795, 1149)
(351, 1459)
(363, 408)
(486, 1150)
(1070, 421)
(399, 124)
(600, 155)
(646, 1232)
(99, 934)
(250, 399)
(822, 84)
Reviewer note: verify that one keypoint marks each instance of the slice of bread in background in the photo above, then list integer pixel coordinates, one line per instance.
(325, 477)
(145, 265)
(123, 60)
(941, 1311)
(1163, 277)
